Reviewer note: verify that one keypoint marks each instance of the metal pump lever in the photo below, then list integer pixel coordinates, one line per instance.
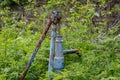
(54, 19)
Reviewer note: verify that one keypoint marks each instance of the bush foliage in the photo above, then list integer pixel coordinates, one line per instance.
(100, 51)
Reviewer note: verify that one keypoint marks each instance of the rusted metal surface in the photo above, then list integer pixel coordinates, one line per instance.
(54, 19)
(73, 51)
(59, 27)
(36, 50)
(70, 51)
(44, 33)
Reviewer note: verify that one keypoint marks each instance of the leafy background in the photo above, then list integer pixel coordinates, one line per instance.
(21, 25)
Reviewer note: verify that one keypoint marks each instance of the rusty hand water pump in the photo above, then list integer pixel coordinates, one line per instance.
(56, 58)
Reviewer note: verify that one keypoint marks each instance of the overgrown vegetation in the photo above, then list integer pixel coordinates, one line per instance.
(20, 30)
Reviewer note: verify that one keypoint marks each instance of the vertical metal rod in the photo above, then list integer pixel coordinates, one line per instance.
(59, 27)
(52, 50)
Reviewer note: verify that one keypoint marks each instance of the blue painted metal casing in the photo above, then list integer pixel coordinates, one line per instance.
(52, 49)
(59, 57)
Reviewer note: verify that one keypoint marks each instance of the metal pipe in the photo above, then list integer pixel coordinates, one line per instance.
(70, 51)
(52, 49)
(59, 57)
(73, 51)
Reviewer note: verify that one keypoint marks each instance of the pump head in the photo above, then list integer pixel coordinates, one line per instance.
(55, 17)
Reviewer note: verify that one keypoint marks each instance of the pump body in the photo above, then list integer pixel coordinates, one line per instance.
(59, 57)
(56, 57)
